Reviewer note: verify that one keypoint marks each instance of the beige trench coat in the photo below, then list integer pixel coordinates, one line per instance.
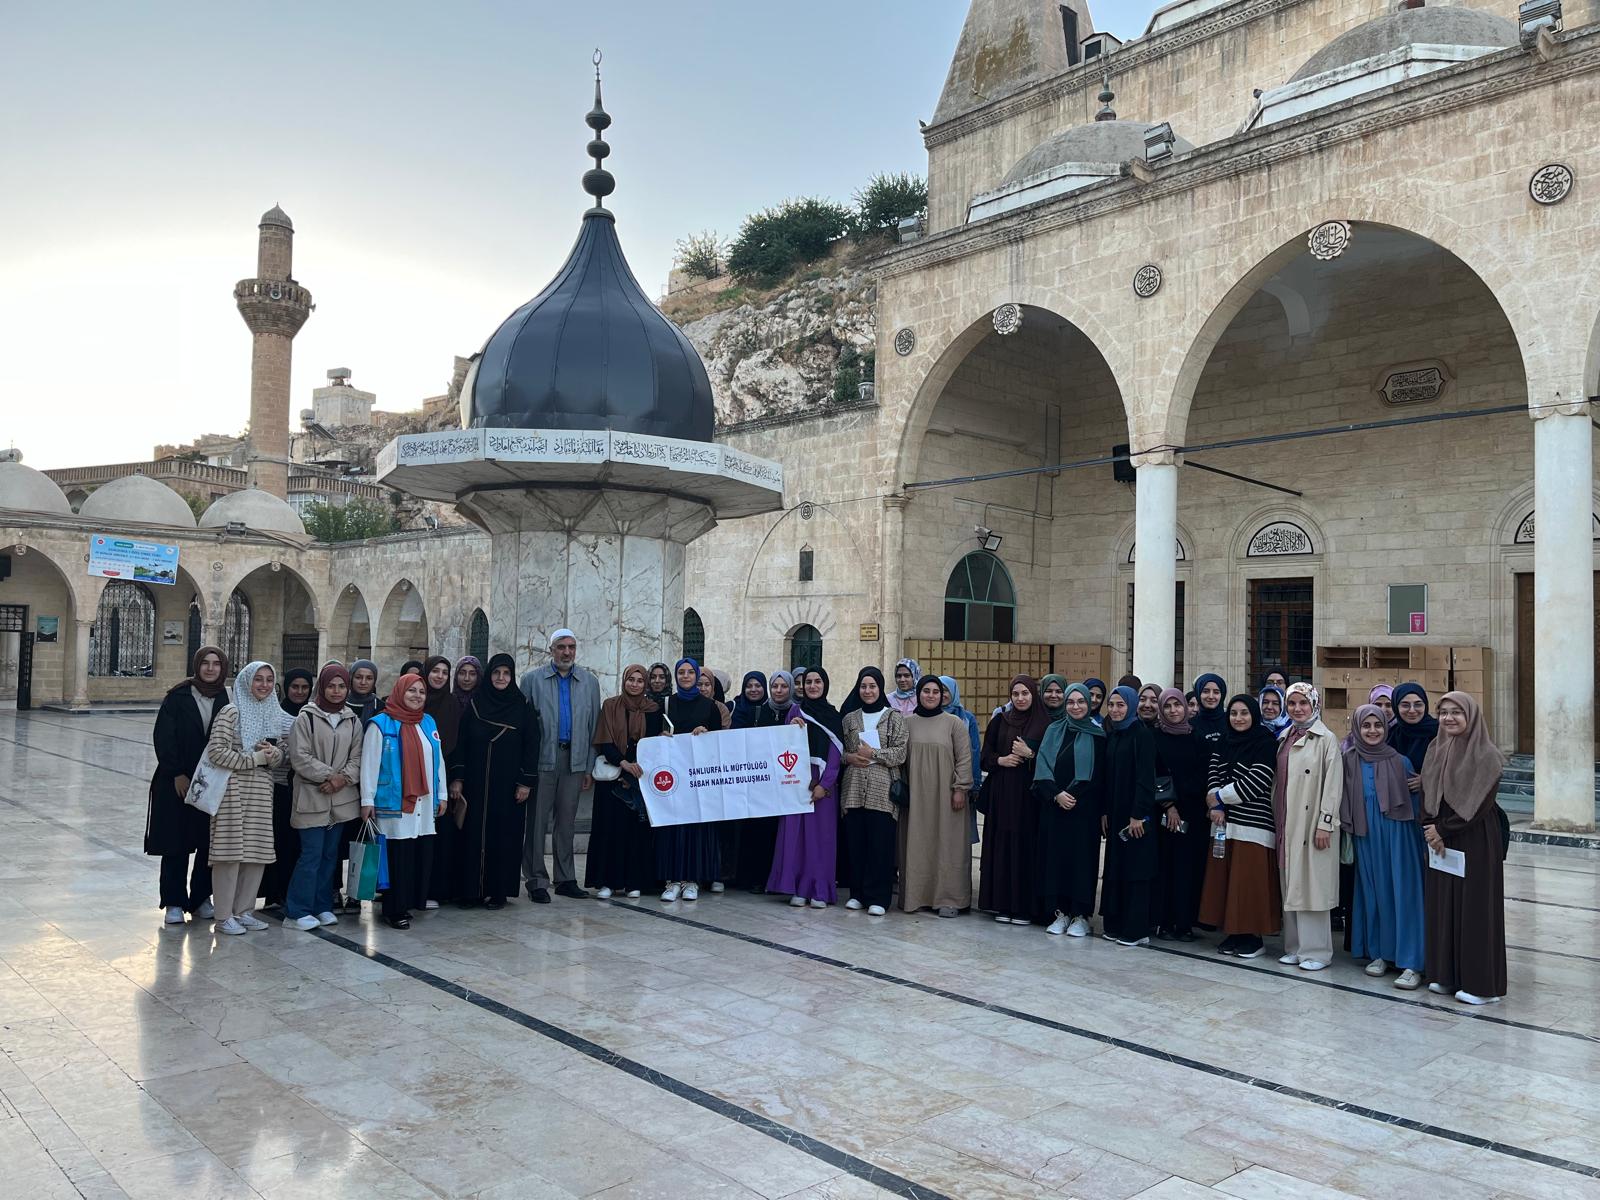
(1313, 788)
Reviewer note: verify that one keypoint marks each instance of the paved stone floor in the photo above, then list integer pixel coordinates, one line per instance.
(736, 1047)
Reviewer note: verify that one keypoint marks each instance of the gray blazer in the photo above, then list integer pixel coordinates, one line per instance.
(540, 687)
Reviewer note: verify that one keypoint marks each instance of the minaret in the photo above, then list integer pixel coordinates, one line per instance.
(274, 306)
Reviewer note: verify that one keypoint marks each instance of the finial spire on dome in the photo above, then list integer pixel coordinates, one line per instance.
(598, 181)
(1106, 113)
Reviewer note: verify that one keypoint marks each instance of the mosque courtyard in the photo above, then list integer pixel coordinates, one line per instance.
(737, 1047)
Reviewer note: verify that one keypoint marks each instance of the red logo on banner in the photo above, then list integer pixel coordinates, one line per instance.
(663, 781)
(788, 759)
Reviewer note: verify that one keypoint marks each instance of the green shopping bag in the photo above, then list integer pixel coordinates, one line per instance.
(366, 850)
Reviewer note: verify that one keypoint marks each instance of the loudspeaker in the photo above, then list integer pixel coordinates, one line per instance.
(1122, 470)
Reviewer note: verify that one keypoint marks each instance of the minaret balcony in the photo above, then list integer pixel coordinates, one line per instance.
(273, 305)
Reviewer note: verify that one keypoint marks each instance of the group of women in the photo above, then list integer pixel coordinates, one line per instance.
(1179, 812)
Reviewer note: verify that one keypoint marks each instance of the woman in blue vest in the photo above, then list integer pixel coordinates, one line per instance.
(403, 784)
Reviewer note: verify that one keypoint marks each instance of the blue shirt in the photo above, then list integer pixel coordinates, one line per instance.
(564, 694)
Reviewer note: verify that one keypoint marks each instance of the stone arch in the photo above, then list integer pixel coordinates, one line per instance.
(83, 591)
(1518, 509)
(229, 580)
(402, 630)
(961, 338)
(1266, 515)
(350, 627)
(478, 635)
(1257, 254)
(694, 636)
(790, 527)
(1126, 547)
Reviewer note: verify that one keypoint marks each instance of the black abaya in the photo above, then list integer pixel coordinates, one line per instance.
(1130, 863)
(1181, 870)
(493, 758)
(622, 848)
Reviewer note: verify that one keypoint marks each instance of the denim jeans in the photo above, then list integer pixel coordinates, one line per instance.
(311, 885)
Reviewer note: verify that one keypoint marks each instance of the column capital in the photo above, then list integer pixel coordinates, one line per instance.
(1155, 458)
(896, 501)
(1556, 404)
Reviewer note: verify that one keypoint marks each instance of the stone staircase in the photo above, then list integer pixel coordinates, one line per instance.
(1516, 788)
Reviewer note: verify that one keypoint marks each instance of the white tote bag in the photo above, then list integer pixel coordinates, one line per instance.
(207, 787)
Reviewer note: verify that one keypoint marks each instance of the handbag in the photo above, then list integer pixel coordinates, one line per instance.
(897, 791)
(604, 771)
(361, 876)
(1347, 849)
(1166, 792)
(207, 786)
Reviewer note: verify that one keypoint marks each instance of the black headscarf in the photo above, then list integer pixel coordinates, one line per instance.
(441, 704)
(1095, 707)
(1254, 746)
(661, 696)
(938, 707)
(1413, 740)
(820, 710)
(855, 702)
(501, 705)
(412, 666)
(746, 712)
(1210, 722)
(289, 706)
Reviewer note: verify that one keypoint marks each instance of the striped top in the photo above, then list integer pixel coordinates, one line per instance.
(1247, 793)
(242, 829)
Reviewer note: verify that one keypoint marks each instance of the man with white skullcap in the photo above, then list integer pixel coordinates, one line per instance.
(567, 698)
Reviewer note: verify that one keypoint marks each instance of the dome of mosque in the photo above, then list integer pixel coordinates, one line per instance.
(28, 490)
(1411, 27)
(254, 509)
(276, 216)
(139, 499)
(1099, 142)
(591, 351)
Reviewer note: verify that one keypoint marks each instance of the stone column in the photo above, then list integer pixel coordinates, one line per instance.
(1563, 596)
(891, 576)
(324, 647)
(79, 683)
(1155, 568)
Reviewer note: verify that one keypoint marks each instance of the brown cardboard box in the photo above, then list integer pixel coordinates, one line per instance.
(1434, 682)
(1470, 682)
(1471, 658)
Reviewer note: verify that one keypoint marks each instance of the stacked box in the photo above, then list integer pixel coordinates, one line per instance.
(1471, 671)
(1077, 662)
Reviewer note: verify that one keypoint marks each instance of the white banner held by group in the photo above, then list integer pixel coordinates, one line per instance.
(730, 775)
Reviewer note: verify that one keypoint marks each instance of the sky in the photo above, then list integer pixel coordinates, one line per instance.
(430, 158)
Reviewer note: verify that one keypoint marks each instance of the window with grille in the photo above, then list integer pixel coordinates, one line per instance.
(805, 647)
(122, 640)
(236, 630)
(694, 636)
(807, 560)
(1280, 629)
(1177, 638)
(980, 603)
(478, 636)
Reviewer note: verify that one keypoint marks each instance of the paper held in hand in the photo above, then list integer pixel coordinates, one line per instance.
(1451, 862)
(727, 776)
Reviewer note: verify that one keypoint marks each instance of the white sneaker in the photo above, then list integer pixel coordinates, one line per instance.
(230, 926)
(1078, 928)
(1001, 919)
(327, 918)
(306, 923)
(852, 903)
(691, 891)
(1058, 926)
(1290, 960)
(1408, 980)
(718, 888)
(1144, 941)
(797, 901)
(671, 893)
(604, 893)
(174, 915)
(251, 922)
(819, 904)
(1377, 968)
(206, 912)
(875, 910)
(429, 905)
(1469, 998)
(633, 893)
(1312, 964)
(1438, 989)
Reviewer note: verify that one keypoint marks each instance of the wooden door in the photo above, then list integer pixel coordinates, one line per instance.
(1525, 690)
(1281, 621)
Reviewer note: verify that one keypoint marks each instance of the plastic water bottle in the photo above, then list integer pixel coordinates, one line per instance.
(1219, 841)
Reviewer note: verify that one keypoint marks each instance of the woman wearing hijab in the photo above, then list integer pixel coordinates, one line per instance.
(297, 686)
(1306, 797)
(1466, 920)
(1053, 696)
(1182, 839)
(1273, 715)
(1150, 706)
(364, 696)
(325, 753)
(248, 740)
(494, 769)
(904, 697)
(174, 830)
(469, 674)
(1130, 813)
(1097, 698)
(412, 666)
(1386, 918)
(686, 854)
(1413, 730)
(935, 841)
(403, 786)
(1010, 814)
(622, 848)
(952, 704)
(711, 689)
(1068, 782)
(1241, 894)
(805, 860)
(1209, 717)
(875, 738)
(446, 713)
(660, 684)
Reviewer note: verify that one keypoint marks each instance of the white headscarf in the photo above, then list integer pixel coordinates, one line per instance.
(258, 719)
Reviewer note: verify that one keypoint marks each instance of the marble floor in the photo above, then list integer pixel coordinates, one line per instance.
(737, 1047)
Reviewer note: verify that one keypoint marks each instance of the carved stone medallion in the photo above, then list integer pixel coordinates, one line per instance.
(1147, 281)
(905, 341)
(1329, 240)
(1007, 319)
(1551, 183)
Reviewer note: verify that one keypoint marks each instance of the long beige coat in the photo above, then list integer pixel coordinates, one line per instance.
(320, 747)
(1313, 788)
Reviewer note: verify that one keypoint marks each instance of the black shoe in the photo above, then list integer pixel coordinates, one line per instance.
(494, 903)
(1160, 934)
(571, 890)
(539, 895)
(398, 922)
(1228, 944)
(1249, 947)
(1184, 935)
